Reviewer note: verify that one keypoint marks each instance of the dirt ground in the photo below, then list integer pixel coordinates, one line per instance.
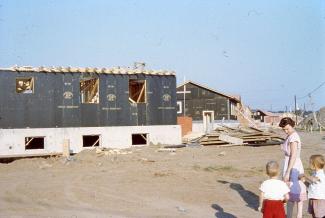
(141, 182)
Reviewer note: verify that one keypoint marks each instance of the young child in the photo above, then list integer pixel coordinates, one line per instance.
(316, 189)
(274, 193)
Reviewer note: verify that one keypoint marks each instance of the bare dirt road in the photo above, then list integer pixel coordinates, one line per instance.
(141, 182)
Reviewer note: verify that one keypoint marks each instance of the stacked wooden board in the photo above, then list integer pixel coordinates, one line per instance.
(226, 136)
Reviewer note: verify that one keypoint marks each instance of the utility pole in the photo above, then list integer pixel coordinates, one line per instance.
(296, 108)
(304, 110)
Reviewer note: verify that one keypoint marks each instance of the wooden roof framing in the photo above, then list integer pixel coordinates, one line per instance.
(114, 70)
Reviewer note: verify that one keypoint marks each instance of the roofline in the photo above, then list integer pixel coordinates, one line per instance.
(114, 70)
(268, 113)
(212, 90)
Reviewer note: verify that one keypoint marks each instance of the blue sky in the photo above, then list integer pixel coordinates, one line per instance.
(266, 51)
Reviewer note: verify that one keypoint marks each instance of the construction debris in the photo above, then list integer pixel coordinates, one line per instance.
(166, 150)
(175, 146)
(107, 152)
(146, 160)
(225, 136)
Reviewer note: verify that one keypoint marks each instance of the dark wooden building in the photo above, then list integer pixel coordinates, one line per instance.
(197, 100)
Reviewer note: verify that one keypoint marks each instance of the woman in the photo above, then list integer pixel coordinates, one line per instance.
(293, 167)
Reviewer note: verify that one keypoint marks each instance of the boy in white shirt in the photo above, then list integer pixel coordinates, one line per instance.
(274, 193)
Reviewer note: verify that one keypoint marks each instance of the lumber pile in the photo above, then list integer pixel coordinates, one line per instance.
(226, 136)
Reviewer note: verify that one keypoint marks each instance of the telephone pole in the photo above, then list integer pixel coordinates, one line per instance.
(296, 108)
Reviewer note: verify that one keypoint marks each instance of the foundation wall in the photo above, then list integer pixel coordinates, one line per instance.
(12, 141)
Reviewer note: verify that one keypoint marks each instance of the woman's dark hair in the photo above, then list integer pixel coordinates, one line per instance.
(286, 121)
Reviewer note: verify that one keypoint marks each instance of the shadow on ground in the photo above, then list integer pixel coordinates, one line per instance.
(249, 197)
(221, 213)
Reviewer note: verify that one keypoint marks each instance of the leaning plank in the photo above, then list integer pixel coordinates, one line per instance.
(131, 100)
(141, 93)
(29, 142)
(95, 143)
(259, 130)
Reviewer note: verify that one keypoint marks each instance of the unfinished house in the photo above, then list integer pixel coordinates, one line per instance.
(205, 106)
(43, 107)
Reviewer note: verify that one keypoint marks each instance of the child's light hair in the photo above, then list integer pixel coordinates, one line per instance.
(317, 161)
(272, 168)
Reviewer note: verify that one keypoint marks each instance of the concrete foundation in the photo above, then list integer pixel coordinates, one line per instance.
(12, 141)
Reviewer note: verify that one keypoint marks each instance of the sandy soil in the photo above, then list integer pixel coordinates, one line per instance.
(191, 182)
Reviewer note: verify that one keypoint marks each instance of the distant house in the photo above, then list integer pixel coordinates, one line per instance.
(108, 107)
(267, 117)
(204, 104)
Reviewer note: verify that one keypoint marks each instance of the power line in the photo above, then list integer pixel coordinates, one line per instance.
(314, 90)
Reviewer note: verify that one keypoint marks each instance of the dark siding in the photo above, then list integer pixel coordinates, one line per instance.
(47, 108)
(162, 100)
(201, 99)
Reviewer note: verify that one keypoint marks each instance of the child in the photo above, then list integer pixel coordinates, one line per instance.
(274, 193)
(316, 189)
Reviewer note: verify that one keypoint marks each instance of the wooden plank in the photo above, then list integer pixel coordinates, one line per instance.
(141, 93)
(30, 155)
(230, 139)
(231, 145)
(66, 148)
(29, 142)
(255, 140)
(256, 129)
(227, 127)
(266, 144)
(215, 140)
(212, 136)
(94, 89)
(95, 142)
(214, 143)
(259, 137)
(145, 138)
(131, 100)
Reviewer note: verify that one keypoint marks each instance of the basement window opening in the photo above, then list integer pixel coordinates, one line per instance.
(139, 139)
(90, 140)
(25, 85)
(137, 91)
(89, 91)
(34, 143)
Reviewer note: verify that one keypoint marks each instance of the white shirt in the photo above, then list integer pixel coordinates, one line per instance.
(274, 189)
(317, 190)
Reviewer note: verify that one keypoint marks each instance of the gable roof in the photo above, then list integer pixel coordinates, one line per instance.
(114, 70)
(209, 89)
(268, 113)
